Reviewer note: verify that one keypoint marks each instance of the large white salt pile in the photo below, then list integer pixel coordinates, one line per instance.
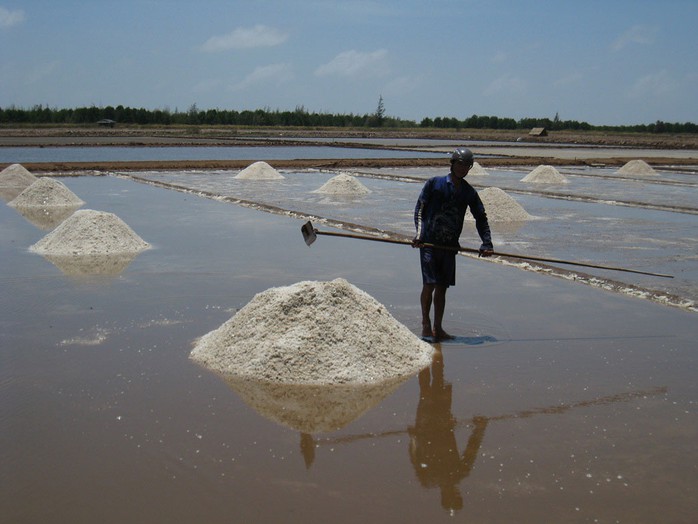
(637, 167)
(477, 170)
(259, 171)
(46, 192)
(500, 206)
(343, 184)
(313, 333)
(545, 175)
(89, 232)
(14, 179)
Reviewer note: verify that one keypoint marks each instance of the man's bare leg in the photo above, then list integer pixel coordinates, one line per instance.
(439, 308)
(425, 300)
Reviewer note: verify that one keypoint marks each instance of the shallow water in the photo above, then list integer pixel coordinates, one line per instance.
(121, 154)
(596, 232)
(558, 402)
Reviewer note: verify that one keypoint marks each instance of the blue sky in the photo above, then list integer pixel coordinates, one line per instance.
(603, 62)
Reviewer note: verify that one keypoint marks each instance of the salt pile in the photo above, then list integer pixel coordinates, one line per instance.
(89, 232)
(259, 171)
(343, 184)
(46, 192)
(313, 333)
(500, 207)
(637, 167)
(13, 180)
(545, 175)
(477, 170)
(16, 175)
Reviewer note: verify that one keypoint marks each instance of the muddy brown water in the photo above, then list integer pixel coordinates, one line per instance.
(557, 402)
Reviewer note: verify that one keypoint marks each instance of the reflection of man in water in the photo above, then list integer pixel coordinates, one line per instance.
(308, 449)
(433, 447)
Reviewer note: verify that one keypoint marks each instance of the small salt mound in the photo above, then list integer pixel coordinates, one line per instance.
(259, 171)
(46, 192)
(343, 184)
(545, 175)
(500, 207)
(637, 167)
(16, 175)
(88, 232)
(477, 170)
(313, 333)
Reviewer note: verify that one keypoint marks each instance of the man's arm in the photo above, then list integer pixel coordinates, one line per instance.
(420, 212)
(483, 227)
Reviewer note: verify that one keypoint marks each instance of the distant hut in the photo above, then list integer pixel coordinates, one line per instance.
(538, 131)
(106, 122)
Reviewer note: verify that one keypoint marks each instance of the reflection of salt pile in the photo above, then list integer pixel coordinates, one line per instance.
(13, 180)
(477, 170)
(46, 218)
(46, 193)
(82, 265)
(501, 207)
(259, 171)
(545, 175)
(311, 408)
(343, 184)
(314, 333)
(637, 167)
(89, 232)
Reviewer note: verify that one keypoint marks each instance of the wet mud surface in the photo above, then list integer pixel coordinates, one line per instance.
(557, 401)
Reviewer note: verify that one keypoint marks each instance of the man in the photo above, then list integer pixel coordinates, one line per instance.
(439, 217)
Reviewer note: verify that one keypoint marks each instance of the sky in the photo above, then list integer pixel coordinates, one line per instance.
(605, 62)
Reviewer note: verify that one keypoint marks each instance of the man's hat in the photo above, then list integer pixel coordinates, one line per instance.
(462, 154)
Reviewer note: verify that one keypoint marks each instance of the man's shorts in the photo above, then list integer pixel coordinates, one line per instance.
(438, 266)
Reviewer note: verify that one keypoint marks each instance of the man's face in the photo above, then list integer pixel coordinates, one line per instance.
(460, 169)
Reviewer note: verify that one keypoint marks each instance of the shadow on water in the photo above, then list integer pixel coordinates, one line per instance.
(467, 341)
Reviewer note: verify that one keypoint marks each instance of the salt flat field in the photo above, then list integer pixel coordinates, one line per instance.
(567, 395)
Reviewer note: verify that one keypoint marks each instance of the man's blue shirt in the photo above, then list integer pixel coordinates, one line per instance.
(440, 212)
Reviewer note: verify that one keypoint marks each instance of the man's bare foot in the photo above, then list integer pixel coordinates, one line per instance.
(426, 330)
(440, 334)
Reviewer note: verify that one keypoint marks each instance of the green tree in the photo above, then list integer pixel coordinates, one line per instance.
(377, 119)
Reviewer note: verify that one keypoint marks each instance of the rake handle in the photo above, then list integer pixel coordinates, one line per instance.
(497, 253)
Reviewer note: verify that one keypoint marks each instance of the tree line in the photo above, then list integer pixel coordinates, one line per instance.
(300, 117)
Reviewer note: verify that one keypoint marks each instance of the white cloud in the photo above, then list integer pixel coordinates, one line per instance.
(507, 85)
(9, 18)
(659, 84)
(274, 73)
(245, 38)
(353, 63)
(637, 34)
